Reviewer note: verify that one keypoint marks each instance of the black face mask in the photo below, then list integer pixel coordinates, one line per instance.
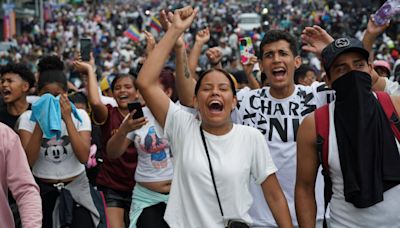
(368, 153)
(354, 82)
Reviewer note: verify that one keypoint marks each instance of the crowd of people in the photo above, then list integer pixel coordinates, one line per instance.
(105, 24)
(212, 142)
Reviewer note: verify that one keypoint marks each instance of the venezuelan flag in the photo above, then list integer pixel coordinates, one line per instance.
(133, 33)
(155, 24)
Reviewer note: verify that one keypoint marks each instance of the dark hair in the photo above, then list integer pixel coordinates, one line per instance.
(78, 97)
(22, 70)
(301, 72)
(167, 79)
(240, 76)
(51, 70)
(277, 35)
(263, 77)
(50, 62)
(198, 83)
(119, 77)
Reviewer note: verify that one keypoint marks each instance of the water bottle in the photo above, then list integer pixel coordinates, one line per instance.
(387, 10)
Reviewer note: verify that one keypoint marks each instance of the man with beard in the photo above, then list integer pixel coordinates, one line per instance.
(363, 155)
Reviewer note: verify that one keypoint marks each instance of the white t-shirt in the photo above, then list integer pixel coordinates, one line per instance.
(392, 88)
(104, 99)
(385, 214)
(278, 120)
(155, 162)
(56, 158)
(236, 157)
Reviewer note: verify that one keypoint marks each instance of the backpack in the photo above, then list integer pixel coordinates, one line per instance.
(322, 129)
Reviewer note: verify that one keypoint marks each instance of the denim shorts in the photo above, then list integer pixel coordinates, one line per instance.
(115, 198)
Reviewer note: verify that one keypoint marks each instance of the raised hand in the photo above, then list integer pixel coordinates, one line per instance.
(372, 32)
(164, 20)
(214, 55)
(248, 68)
(82, 67)
(183, 18)
(375, 30)
(151, 42)
(203, 36)
(316, 39)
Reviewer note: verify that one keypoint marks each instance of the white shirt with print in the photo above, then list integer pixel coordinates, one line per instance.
(278, 120)
(57, 159)
(154, 162)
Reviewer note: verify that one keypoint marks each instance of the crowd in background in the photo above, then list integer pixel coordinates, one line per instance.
(103, 86)
(116, 53)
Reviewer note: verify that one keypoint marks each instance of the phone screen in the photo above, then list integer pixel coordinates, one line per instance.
(138, 107)
(86, 46)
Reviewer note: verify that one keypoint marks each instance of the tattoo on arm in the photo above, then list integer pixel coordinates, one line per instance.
(185, 65)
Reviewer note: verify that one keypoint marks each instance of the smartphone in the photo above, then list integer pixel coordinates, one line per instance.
(138, 107)
(86, 48)
(246, 49)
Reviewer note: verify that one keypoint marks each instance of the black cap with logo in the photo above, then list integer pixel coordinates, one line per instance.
(340, 46)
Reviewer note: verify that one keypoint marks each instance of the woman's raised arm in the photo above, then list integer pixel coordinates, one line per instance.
(156, 99)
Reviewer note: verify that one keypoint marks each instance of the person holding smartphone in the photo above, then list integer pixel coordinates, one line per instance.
(115, 177)
(193, 201)
(155, 169)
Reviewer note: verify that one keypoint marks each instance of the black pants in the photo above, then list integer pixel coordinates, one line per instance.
(152, 217)
(81, 216)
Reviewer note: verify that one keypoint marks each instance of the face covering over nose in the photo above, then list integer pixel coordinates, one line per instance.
(368, 154)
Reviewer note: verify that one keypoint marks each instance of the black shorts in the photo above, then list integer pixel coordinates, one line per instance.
(115, 198)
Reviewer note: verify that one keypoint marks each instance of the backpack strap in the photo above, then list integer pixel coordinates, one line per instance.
(321, 116)
(390, 111)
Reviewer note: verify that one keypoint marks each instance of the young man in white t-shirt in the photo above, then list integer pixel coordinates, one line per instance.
(363, 154)
(277, 111)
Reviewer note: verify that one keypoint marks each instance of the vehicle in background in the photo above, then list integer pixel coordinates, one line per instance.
(248, 22)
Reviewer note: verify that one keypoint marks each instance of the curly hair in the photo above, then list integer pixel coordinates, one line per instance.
(22, 70)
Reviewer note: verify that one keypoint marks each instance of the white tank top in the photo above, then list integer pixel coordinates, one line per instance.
(344, 214)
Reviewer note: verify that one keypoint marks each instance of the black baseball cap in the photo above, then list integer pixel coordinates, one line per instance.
(340, 46)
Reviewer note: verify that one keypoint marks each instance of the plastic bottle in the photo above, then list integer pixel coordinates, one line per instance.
(387, 10)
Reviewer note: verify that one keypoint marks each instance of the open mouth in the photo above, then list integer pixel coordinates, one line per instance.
(123, 98)
(5, 92)
(215, 106)
(279, 73)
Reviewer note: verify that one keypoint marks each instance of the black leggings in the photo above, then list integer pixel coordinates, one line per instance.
(153, 217)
